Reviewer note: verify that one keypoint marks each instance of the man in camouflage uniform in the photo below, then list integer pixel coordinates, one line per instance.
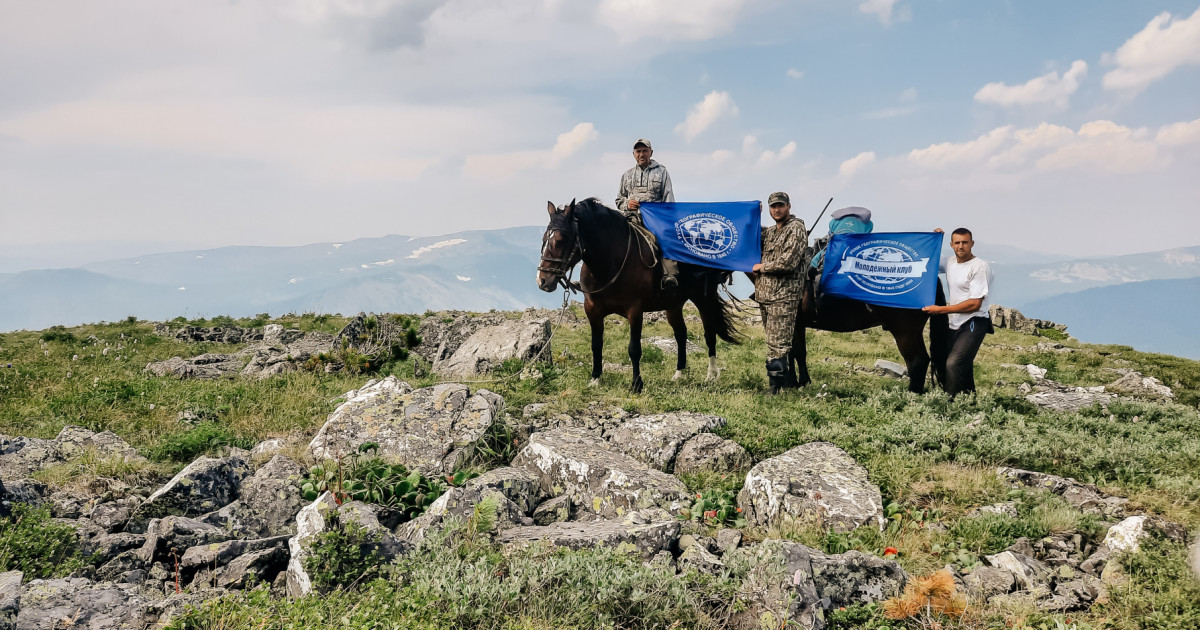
(647, 181)
(778, 288)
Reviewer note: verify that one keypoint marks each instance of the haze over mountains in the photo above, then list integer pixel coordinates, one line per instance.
(1145, 300)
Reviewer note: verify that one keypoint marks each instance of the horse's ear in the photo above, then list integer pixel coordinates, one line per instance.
(551, 208)
(571, 208)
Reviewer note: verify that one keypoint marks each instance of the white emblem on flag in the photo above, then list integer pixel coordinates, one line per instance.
(707, 235)
(883, 267)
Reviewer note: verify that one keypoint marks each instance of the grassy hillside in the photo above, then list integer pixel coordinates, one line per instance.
(928, 454)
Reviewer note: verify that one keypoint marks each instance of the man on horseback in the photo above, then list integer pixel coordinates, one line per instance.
(647, 181)
(968, 286)
(778, 287)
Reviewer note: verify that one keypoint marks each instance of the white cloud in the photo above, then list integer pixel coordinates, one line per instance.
(795, 74)
(856, 163)
(671, 20)
(1180, 133)
(884, 10)
(570, 142)
(909, 95)
(951, 153)
(768, 158)
(1164, 45)
(1048, 88)
(702, 115)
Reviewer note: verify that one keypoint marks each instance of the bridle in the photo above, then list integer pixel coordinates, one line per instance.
(564, 267)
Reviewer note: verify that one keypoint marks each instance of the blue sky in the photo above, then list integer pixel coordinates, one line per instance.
(1064, 127)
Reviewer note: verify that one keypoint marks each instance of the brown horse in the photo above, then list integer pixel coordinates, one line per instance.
(906, 325)
(621, 275)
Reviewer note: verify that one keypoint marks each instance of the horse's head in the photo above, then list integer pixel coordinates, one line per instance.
(560, 247)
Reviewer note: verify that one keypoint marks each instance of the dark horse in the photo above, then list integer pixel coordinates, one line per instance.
(621, 275)
(906, 325)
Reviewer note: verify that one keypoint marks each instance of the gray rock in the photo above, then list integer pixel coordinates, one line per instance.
(1081, 496)
(517, 484)
(647, 531)
(113, 515)
(779, 588)
(698, 558)
(256, 567)
(816, 481)
(49, 604)
(728, 539)
(655, 440)
(310, 522)
(1060, 398)
(598, 479)
(433, 429)
(165, 610)
(217, 555)
(1076, 594)
(74, 441)
(1011, 318)
(1126, 535)
(202, 486)
(270, 499)
(668, 346)
(28, 491)
(206, 366)
(488, 347)
(854, 578)
(10, 599)
(985, 582)
(554, 510)
(177, 534)
(267, 448)
(890, 368)
(1007, 508)
(126, 567)
(458, 504)
(1030, 574)
(1194, 558)
(1139, 386)
(707, 452)
(23, 456)
(108, 546)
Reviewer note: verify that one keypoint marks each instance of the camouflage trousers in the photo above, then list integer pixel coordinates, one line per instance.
(779, 320)
(670, 267)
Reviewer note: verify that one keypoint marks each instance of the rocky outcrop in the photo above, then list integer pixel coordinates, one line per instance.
(648, 531)
(269, 501)
(80, 603)
(599, 480)
(655, 440)
(433, 429)
(1136, 385)
(215, 334)
(202, 486)
(488, 347)
(1051, 395)
(276, 350)
(856, 578)
(10, 599)
(708, 452)
(459, 505)
(817, 482)
(1012, 319)
(1081, 496)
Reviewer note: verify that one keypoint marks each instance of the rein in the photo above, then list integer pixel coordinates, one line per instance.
(564, 267)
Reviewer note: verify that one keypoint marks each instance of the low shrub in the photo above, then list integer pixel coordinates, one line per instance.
(204, 438)
(343, 555)
(35, 544)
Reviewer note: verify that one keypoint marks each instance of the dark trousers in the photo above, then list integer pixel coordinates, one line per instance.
(964, 345)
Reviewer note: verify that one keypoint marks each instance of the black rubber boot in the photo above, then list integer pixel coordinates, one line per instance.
(670, 282)
(776, 375)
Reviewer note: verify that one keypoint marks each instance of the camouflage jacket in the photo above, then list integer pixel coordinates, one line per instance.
(783, 246)
(652, 183)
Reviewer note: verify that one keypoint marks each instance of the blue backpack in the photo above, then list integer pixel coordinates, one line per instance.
(852, 220)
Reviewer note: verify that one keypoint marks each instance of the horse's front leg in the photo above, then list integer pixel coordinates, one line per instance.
(596, 320)
(675, 319)
(911, 343)
(800, 355)
(635, 349)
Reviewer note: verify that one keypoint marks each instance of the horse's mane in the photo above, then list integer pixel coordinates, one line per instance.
(592, 208)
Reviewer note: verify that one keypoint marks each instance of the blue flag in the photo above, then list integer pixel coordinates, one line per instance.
(719, 234)
(888, 269)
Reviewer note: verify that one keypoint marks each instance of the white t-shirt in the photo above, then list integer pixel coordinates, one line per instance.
(965, 281)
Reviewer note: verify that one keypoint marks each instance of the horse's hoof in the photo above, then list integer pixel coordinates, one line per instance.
(636, 387)
(594, 382)
(678, 375)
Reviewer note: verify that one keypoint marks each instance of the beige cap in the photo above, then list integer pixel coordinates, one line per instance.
(643, 141)
(778, 197)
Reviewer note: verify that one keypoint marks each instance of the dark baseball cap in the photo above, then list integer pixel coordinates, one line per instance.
(644, 142)
(778, 197)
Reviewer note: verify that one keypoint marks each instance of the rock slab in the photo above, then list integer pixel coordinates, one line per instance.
(818, 482)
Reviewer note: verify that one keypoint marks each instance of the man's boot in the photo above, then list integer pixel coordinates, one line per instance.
(776, 375)
(670, 279)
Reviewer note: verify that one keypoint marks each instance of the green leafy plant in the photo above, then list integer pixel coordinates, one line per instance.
(35, 544)
(363, 476)
(714, 507)
(343, 555)
(206, 437)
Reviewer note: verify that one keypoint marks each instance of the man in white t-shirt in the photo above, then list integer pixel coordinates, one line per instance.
(968, 287)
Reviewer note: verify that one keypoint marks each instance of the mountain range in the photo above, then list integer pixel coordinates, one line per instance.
(1136, 299)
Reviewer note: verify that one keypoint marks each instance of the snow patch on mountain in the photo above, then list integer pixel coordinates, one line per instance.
(428, 248)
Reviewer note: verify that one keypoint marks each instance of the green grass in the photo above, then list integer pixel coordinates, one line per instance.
(933, 458)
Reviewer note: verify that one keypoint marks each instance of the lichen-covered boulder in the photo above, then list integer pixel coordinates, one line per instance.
(517, 484)
(203, 486)
(778, 589)
(553, 510)
(255, 567)
(599, 480)
(74, 441)
(10, 598)
(1126, 535)
(433, 429)
(708, 452)
(1030, 574)
(270, 500)
(818, 482)
(22, 456)
(78, 603)
(1138, 386)
(488, 347)
(984, 582)
(701, 559)
(177, 533)
(459, 504)
(655, 439)
(854, 577)
(646, 531)
(1082, 496)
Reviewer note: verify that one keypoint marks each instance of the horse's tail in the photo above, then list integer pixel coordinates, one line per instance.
(725, 317)
(939, 340)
